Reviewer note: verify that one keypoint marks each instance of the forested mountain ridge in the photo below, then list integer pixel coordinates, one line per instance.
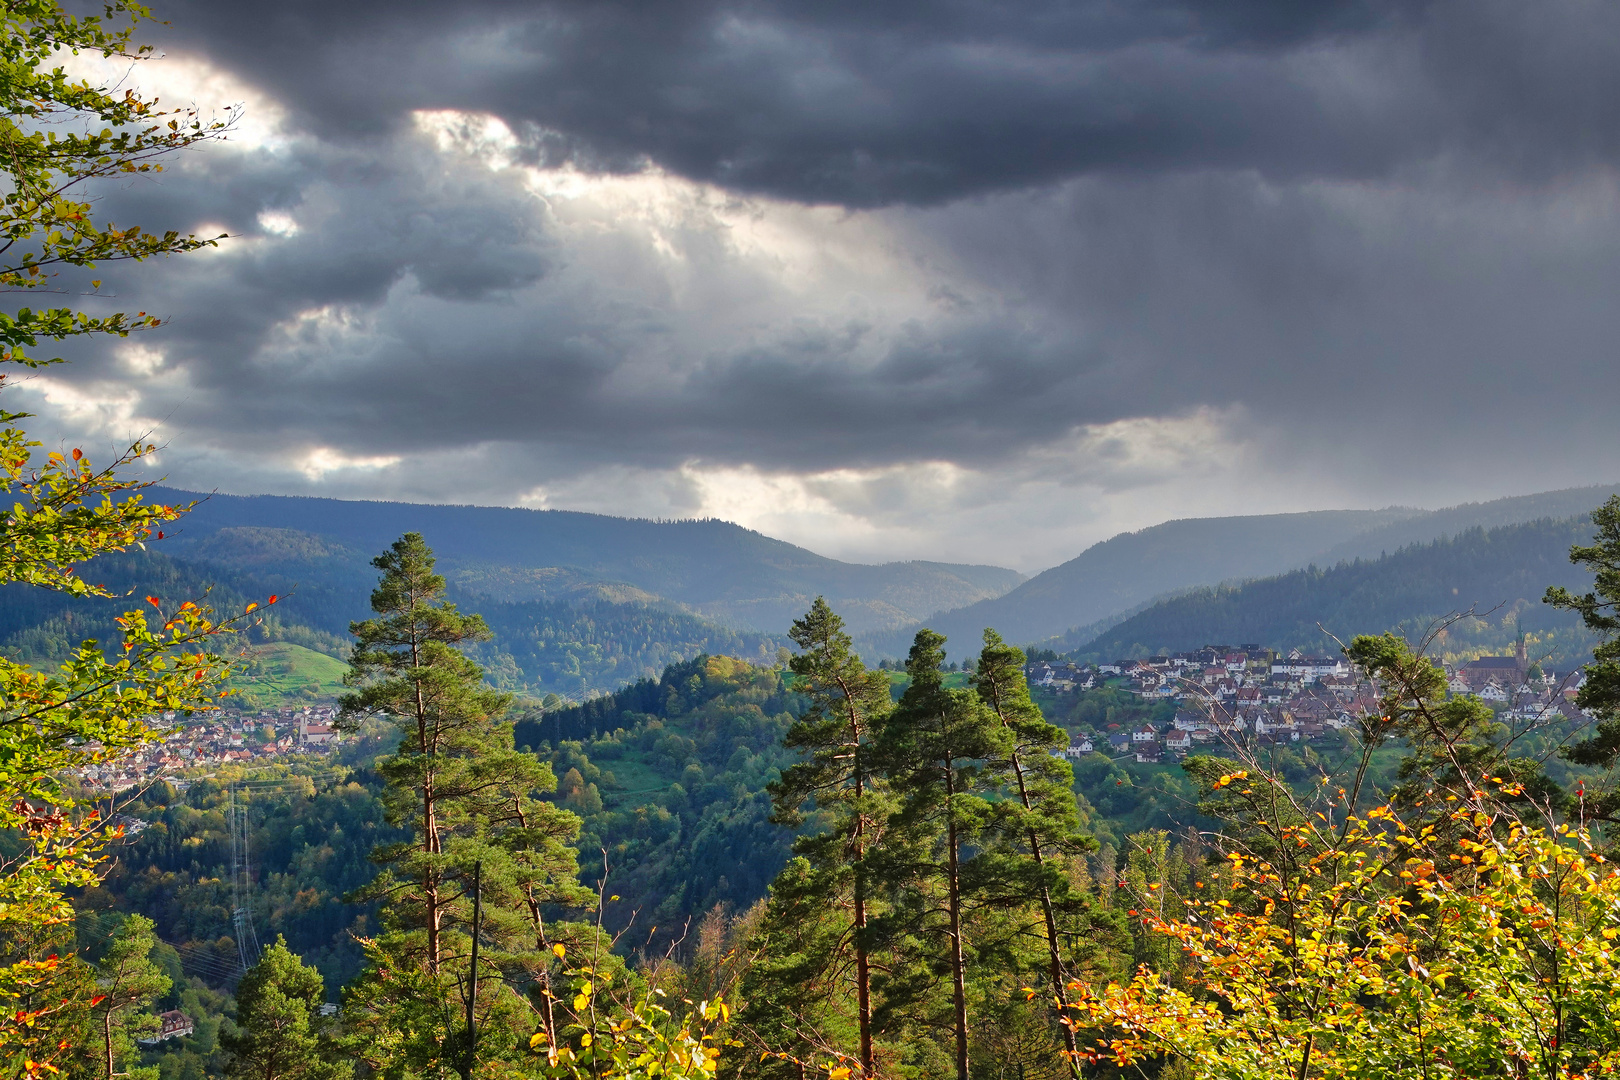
(1437, 524)
(1132, 570)
(571, 648)
(1500, 573)
(715, 569)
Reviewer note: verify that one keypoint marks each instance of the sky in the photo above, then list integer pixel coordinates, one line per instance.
(949, 280)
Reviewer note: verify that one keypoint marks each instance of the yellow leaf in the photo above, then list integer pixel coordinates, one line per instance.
(536, 1040)
(838, 1074)
(585, 1039)
(559, 950)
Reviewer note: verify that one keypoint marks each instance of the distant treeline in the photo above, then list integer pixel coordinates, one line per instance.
(554, 646)
(570, 648)
(683, 686)
(1499, 573)
(41, 626)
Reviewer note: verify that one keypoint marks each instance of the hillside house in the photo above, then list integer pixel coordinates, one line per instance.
(174, 1025)
(1189, 720)
(315, 733)
(1308, 669)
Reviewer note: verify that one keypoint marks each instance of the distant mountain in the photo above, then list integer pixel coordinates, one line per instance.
(572, 648)
(1132, 568)
(1500, 573)
(712, 568)
(1434, 524)
(1119, 576)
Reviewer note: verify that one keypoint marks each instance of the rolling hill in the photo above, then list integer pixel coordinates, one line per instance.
(1112, 579)
(714, 569)
(572, 648)
(1499, 573)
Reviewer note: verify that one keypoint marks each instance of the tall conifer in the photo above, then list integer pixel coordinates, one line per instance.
(1599, 609)
(941, 750)
(277, 1033)
(835, 736)
(470, 800)
(1041, 824)
(126, 982)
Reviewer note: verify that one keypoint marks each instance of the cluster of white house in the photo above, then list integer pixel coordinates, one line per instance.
(1225, 692)
(221, 738)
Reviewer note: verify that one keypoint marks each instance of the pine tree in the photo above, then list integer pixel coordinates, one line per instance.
(1600, 611)
(1040, 827)
(277, 1014)
(126, 981)
(847, 702)
(794, 995)
(472, 803)
(539, 874)
(940, 750)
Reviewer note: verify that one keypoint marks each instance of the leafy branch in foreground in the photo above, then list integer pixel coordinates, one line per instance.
(1389, 955)
(58, 133)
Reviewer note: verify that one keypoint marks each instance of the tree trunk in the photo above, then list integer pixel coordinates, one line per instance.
(863, 962)
(430, 880)
(430, 824)
(863, 980)
(106, 1035)
(544, 948)
(953, 886)
(1054, 959)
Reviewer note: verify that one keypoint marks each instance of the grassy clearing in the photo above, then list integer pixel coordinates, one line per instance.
(285, 674)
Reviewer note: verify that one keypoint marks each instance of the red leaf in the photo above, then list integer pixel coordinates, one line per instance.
(77, 453)
(152, 600)
(273, 599)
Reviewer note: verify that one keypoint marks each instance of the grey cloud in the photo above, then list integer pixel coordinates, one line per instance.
(1336, 315)
(872, 104)
(1362, 235)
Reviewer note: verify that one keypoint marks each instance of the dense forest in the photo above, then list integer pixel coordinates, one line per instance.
(712, 568)
(569, 648)
(885, 871)
(1119, 576)
(1500, 574)
(670, 778)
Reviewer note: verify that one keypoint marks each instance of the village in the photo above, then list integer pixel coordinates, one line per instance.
(1224, 693)
(1221, 692)
(228, 737)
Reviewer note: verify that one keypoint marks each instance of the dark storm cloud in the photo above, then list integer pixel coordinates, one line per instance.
(867, 104)
(862, 104)
(1355, 235)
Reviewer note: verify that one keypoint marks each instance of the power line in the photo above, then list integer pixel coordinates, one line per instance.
(247, 940)
(205, 964)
